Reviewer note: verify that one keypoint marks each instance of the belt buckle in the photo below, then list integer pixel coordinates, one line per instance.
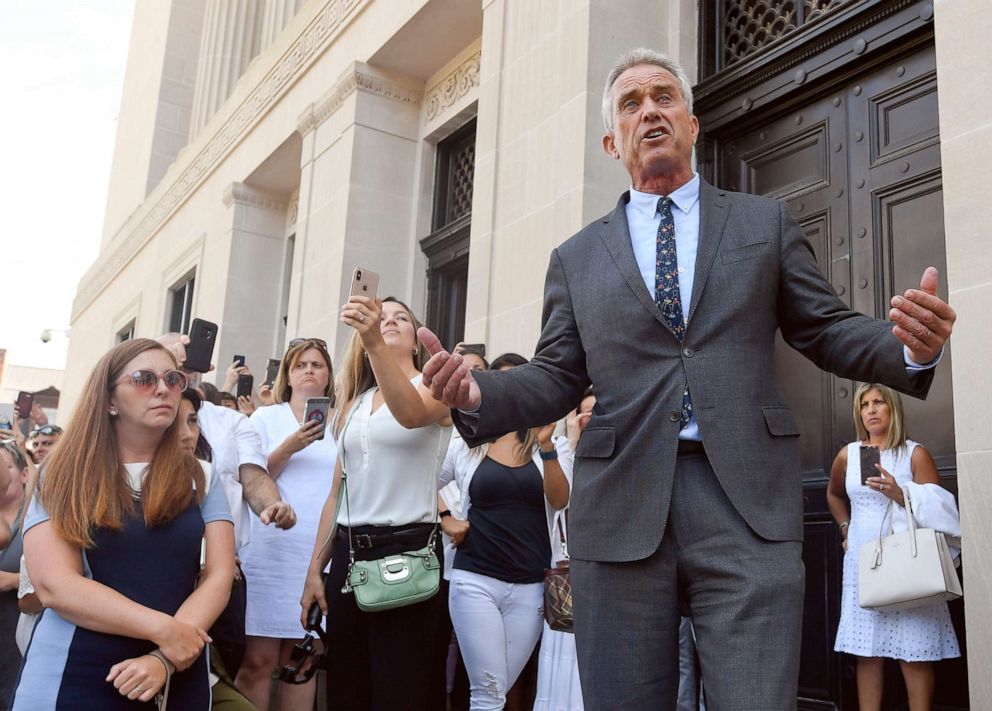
(363, 541)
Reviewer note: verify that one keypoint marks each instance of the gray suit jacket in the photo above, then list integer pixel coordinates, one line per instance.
(755, 274)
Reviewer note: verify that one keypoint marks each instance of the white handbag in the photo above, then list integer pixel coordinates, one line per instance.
(904, 570)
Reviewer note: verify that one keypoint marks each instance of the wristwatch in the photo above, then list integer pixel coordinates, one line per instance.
(548, 456)
(442, 514)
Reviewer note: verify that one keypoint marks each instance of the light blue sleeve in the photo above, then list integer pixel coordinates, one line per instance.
(36, 514)
(214, 506)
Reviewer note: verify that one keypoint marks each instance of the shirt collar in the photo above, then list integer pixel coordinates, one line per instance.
(683, 197)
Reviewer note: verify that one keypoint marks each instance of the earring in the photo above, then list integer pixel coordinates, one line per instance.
(113, 412)
(416, 351)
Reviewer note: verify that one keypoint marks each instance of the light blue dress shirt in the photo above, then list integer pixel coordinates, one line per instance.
(643, 220)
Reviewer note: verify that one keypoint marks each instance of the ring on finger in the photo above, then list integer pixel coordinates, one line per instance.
(361, 318)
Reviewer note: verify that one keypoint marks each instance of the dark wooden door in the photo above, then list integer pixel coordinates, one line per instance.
(859, 166)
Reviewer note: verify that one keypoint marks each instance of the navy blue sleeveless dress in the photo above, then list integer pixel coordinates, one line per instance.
(66, 666)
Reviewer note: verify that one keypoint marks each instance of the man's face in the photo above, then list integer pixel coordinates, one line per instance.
(653, 133)
(41, 445)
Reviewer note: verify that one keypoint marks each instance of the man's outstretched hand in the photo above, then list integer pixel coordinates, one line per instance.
(922, 322)
(447, 377)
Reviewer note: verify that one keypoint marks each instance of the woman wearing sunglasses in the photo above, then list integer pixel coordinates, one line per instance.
(301, 460)
(113, 543)
(393, 445)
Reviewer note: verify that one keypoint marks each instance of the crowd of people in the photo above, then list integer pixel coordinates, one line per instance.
(174, 544)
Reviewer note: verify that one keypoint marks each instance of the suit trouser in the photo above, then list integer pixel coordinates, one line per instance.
(744, 594)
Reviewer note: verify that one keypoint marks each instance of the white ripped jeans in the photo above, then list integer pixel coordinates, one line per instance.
(497, 625)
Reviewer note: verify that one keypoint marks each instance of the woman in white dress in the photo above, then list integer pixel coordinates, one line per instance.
(916, 637)
(301, 460)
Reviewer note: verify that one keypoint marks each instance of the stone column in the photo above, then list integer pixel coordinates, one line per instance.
(256, 227)
(278, 14)
(231, 34)
(357, 192)
(962, 29)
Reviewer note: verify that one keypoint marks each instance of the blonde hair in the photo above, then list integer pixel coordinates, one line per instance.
(356, 375)
(282, 391)
(895, 438)
(85, 485)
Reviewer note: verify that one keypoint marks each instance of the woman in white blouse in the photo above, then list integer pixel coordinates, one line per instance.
(393, 441)
(301, 460)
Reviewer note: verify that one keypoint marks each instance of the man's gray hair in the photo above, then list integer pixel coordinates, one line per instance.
(643, 55)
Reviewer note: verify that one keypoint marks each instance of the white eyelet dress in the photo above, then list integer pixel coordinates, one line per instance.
(919, 634)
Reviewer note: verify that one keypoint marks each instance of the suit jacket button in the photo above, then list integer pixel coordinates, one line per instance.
(688, 352)
(674, 416)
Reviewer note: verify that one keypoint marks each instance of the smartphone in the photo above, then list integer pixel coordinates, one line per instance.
(317, 409)
(239, 360)
(478, 349)
(199, 352)
(25, 401)
(870, 456)
(246, 381)
(271, 371)
(364, 283)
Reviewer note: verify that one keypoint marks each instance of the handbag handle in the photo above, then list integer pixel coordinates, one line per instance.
(910, 526)
(560, 525)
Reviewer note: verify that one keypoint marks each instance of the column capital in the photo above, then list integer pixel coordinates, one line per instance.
(241, 194)
(363, 78)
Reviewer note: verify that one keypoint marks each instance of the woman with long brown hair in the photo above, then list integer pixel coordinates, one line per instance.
(113, 542)
(393, 436)
(301, 460)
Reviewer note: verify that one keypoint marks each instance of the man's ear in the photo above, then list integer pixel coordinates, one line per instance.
(610, 147)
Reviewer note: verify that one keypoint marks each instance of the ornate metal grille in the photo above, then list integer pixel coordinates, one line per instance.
(748, 25)
(462, 171)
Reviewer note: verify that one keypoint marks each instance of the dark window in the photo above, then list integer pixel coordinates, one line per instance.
(448, 244)
(181, 300)
(126, 333)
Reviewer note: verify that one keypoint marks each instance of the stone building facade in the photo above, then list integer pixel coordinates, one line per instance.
(266, 148)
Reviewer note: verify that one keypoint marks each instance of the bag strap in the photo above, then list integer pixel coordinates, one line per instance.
(560, 525)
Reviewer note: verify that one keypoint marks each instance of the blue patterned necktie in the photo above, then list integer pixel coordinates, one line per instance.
(666, 289)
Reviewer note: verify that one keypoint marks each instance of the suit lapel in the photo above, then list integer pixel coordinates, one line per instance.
(616, 236)
(713, 212)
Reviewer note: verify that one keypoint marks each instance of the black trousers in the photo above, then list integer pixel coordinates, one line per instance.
(744, 594)
(380, 661)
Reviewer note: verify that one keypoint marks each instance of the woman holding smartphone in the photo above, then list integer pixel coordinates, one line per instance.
(394, 438)
(301, 460)
(118, 491)
(916, 637)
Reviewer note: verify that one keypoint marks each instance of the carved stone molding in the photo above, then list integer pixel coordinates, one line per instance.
(294, 210)
(358, 78)
(246, 195)
(333, 17)
(453, 87)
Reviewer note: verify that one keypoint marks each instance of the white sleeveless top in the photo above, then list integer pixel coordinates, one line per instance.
(392, 471)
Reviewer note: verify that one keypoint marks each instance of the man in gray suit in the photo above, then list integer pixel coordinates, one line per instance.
(687, 494)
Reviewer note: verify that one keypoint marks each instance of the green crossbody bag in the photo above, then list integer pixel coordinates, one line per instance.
(395, 580)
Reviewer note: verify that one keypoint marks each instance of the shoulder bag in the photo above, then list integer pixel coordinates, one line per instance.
(396, 580)
(558, 589)
(905, 570)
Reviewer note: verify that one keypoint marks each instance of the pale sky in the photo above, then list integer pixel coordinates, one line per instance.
(62, 69)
